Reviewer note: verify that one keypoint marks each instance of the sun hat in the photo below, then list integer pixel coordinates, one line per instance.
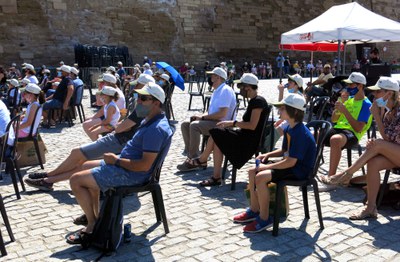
(327, 66)
(296, 78)
(111, 69)
(247, 78)
(219, 72)
(14, 82)
(386, 83)
(64, 68)
(293, 100)
(74, 71)
(29, 66)
(165, 77)
(356, 77)
(26, 81)
(153, 90)
(119, 63)
(108, 91)
(46, 71)
(108, 78)
(143, 79)
(31, 88)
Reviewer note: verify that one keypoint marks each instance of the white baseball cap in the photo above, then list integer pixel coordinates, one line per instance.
(165, 77)
(46, 71)
(108, 90)
(143, 79)
(26, 81)
(386, 83)
(219, 72)
(56, 83)
(64, 68)
(29, 66)
(111, 69)
(153, 90)
(13, 82)
(108, 78)
(146, 65)
(293, 100)
(74, 71)
(119, 63)
(31, 88)
(297, 78)
(247, 78)
(356, 77)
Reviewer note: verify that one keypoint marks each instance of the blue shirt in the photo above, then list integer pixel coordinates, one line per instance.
(299, 143)
(121, 72)
(151, 137)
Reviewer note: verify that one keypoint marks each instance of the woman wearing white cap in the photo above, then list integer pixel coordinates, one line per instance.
(30, 73)
(382, 153)
(105, 120)
(34, 96)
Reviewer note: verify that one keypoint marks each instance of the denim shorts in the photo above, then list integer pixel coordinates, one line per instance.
(52, 104)
(105, 144)
(109, 176)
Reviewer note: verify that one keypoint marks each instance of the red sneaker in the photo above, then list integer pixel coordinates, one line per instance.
(258, 225)
(245, 217)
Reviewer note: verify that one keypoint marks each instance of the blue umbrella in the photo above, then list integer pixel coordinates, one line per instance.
(176, 77)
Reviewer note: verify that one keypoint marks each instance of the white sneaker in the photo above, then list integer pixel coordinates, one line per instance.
(325, 187)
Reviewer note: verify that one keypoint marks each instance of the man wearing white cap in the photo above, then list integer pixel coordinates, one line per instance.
(63, 94)
(135, 164)
(147, 70)
(121, 70)
(316, 88)
(222, 107)
(352, 118)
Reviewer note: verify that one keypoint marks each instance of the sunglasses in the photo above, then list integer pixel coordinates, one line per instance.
(144, 98)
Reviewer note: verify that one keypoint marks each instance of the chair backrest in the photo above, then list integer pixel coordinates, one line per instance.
(319, 103)
(12, 131)
(34, 122)
(78, 95)
(319, 129)
(267, 111)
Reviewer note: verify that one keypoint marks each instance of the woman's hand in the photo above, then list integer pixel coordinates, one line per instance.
(263, 158)
(370, 143)
(374, 109)
(224, 124)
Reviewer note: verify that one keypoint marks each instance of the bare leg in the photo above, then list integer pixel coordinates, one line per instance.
(262, 178)
(89, 123)
(75, 159)
(254, 205)
(82, 184)
(218, 157)
(67, 175)
(94, 133)
(207, 151)
(337, 142)
(374, 165)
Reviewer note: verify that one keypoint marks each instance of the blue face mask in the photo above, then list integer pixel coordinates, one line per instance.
(135, 96)
(59, 74)
(160, 83)
(142, 110)
(352, 91)
(291, 90)
(380, 102)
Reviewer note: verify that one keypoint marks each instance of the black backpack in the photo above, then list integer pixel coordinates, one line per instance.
(107, 232)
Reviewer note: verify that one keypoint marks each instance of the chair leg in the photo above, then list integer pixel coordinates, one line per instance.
(359, 154)
(233, 185)
(18, 171)
(2, 246)
(224, 168)
(190, 101)
(11, 171)
(305, 202)
(318, 203)
(278, 200)
(5, 219)
(36, 144)
(162, 209)
(79, 113)
(382, 189)
(83, 112)
(156, 205)
(349, 156)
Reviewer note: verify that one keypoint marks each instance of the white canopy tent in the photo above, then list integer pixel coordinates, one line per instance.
(349, 24)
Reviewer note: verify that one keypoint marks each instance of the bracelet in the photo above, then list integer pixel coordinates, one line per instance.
(118, 162)
(234, 123)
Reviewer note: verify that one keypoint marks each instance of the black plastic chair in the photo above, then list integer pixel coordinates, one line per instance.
(320, 103)
(168, 101)
(152, 186)
(8, 227)
(198, 93)
(34, 137)
(77, 104)
(321, 128)
(9, 154)
(267, 112)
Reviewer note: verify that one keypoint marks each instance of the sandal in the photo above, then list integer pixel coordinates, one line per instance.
(81, 220)
(77, 237)
(212, 181)
(364, 215)
(343, 179)
(191, 164)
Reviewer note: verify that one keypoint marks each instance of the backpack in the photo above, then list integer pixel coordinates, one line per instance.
(107, 232)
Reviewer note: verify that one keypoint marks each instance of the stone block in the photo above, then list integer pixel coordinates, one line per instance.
(1, 49)
(59, 6)
(10, 9)
(26, 55)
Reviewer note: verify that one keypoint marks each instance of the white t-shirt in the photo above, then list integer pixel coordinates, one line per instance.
(115, 117)
(37, 120)
(121, 100)
(33, 79)
(223, 96)
(148, 72)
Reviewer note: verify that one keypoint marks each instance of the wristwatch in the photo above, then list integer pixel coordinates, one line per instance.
(118, 162)
(234, 123)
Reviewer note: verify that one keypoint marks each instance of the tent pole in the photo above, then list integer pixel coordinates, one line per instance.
(344, 58)
(312, 62)
(280, 65)
(338, 59)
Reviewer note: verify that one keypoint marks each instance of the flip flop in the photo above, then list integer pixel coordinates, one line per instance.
(81, 220)
(77, 237)
(212, 181)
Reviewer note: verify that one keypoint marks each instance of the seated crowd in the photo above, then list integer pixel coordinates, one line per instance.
(125, 144)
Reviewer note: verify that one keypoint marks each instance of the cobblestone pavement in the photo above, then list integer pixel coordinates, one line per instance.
(200, 219)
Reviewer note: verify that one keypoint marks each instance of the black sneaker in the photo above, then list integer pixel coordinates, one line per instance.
(37, 175)
(39, 184)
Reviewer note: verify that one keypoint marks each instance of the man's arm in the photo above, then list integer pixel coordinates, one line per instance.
(124, 126)
(140, 165)
(70, 92)
(356, 125)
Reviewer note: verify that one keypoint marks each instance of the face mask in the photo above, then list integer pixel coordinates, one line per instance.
(352, 91)
(59, 74)
(243, 92)
(142, 110)
(291, 90)
(380, 102)
(160, 83)
(135, 96)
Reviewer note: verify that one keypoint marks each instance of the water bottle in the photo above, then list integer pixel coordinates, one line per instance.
(127, 233)
(286, 85)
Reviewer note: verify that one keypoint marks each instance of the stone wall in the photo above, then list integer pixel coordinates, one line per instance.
(177, 31)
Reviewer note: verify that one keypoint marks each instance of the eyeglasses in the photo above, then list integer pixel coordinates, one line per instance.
(144, 98)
